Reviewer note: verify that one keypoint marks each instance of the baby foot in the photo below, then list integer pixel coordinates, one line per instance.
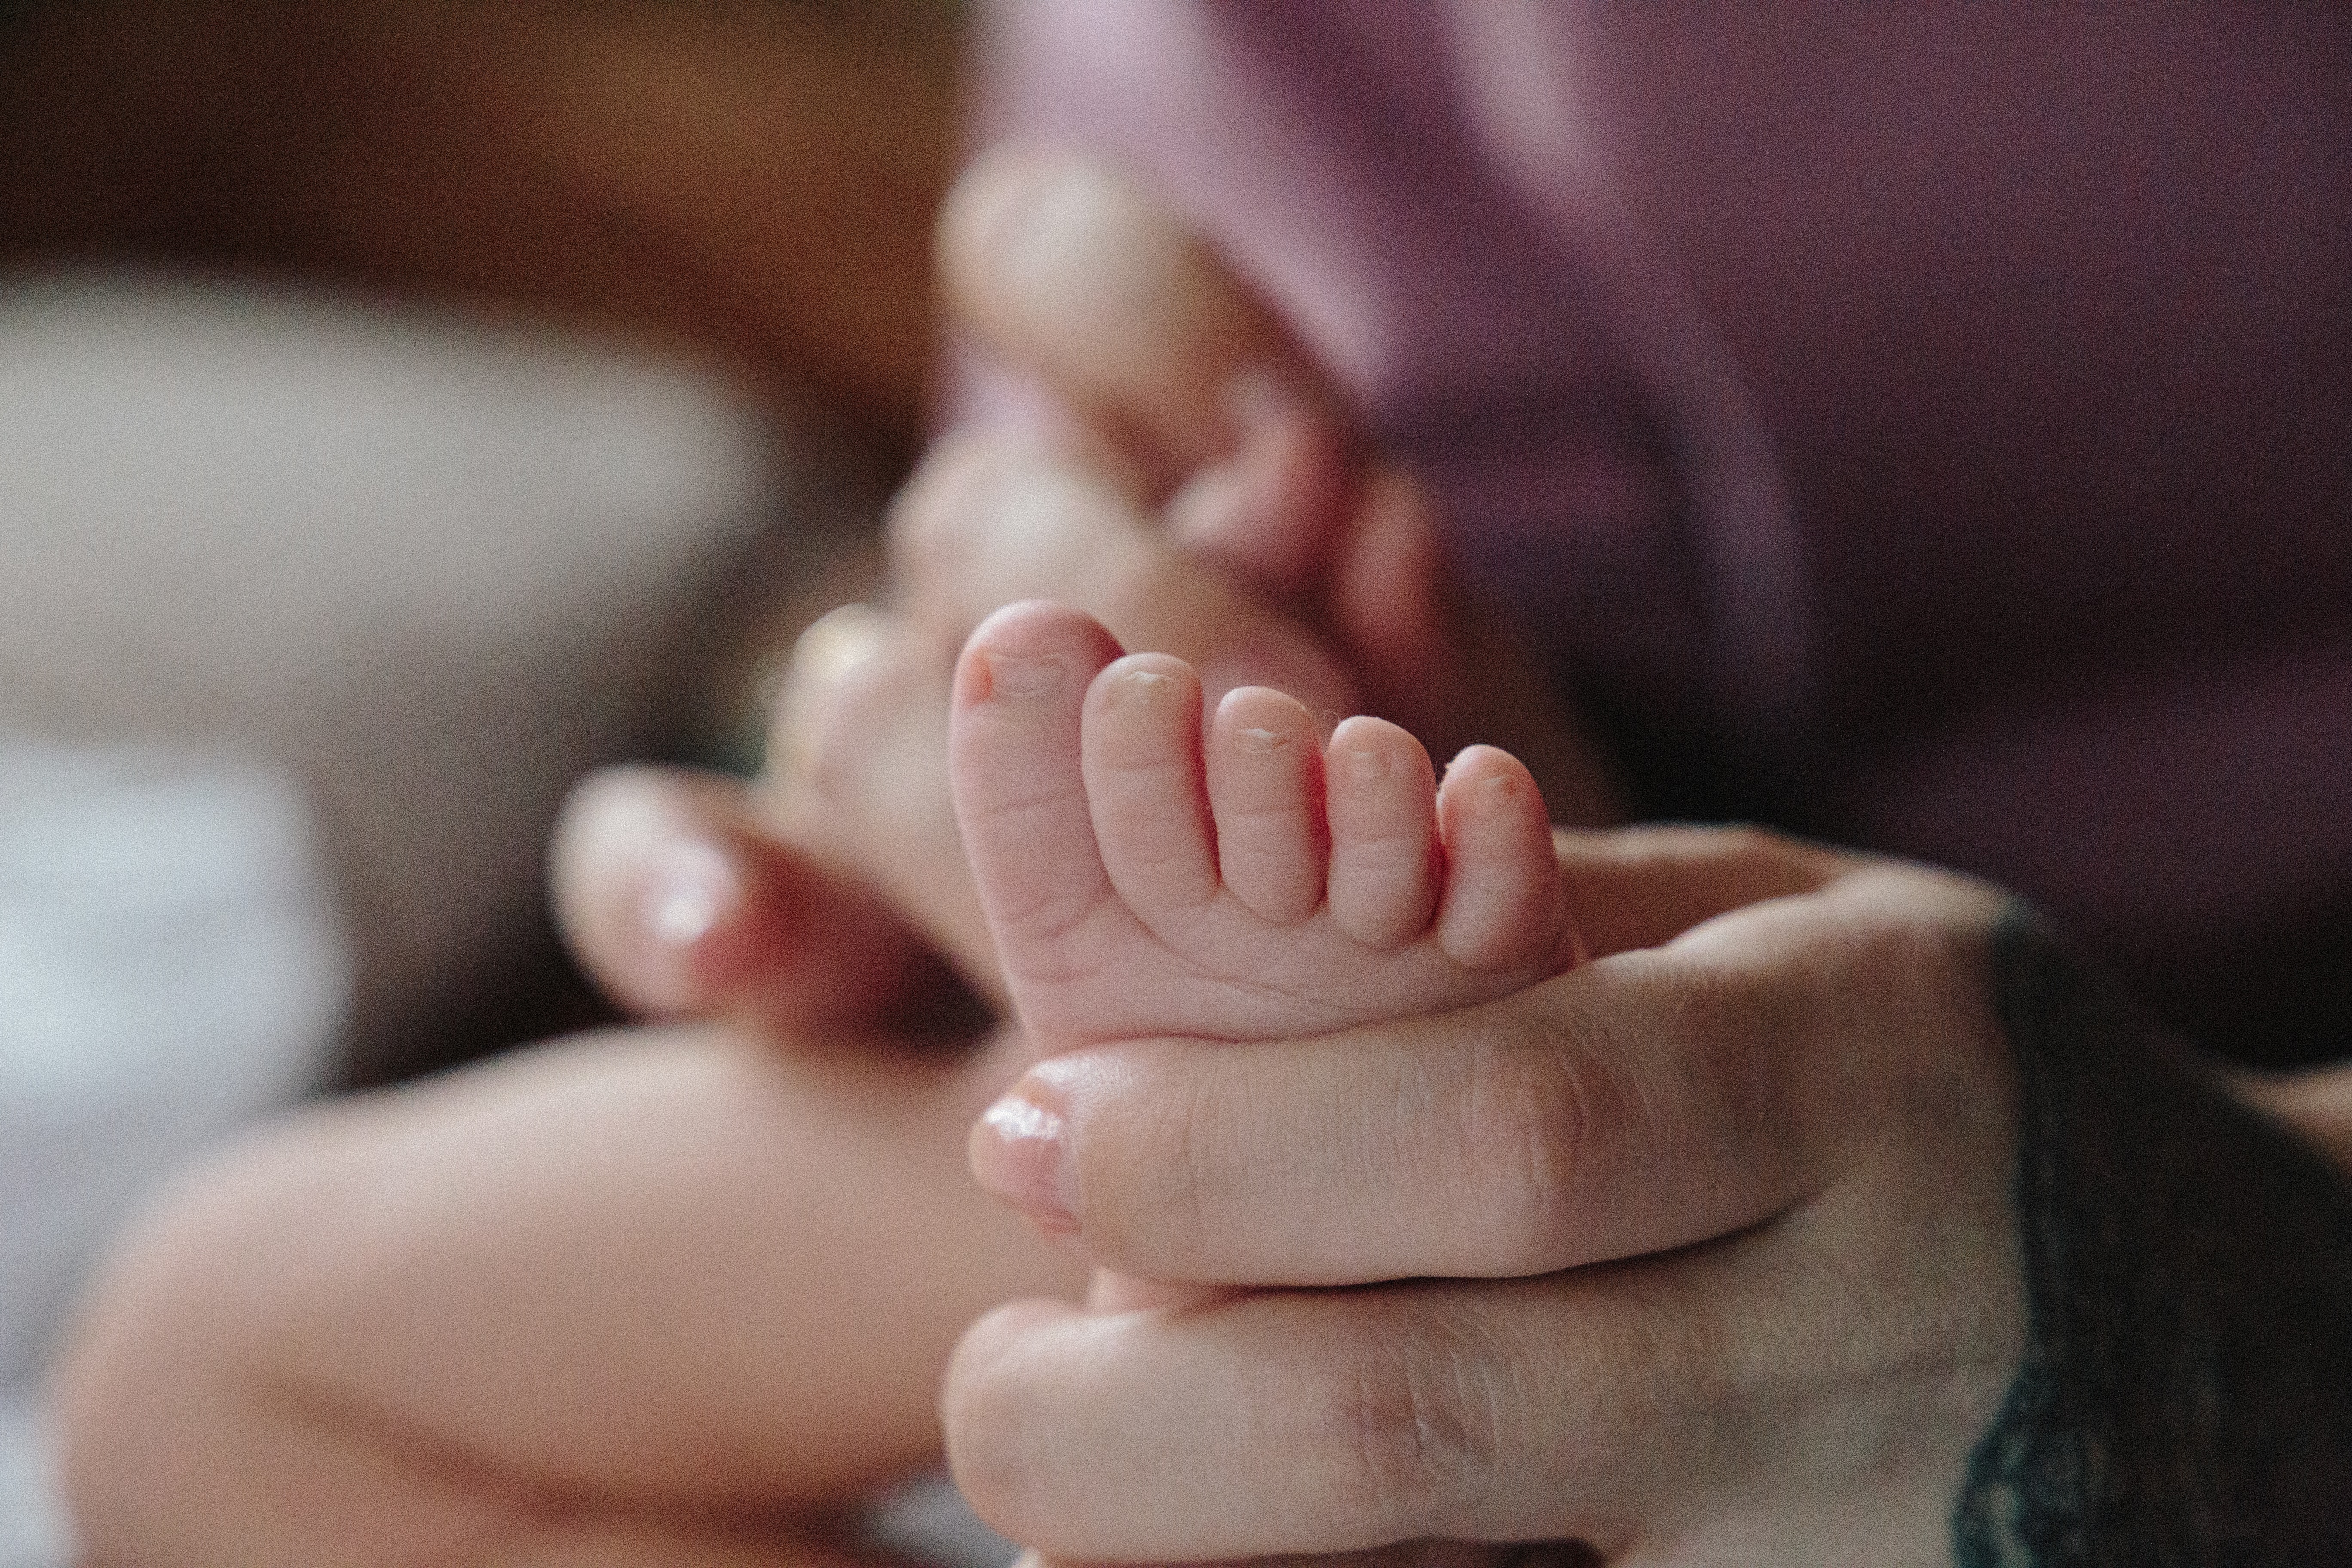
(1142, 877)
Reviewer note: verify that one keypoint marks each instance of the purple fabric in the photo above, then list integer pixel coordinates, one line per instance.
(1928, 427)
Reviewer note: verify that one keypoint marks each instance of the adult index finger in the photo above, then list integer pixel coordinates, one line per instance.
(990, 521)
(1643, 887)
(1834, 1368)
(1500, 1141)
(1070, 271)
(1651, 1100)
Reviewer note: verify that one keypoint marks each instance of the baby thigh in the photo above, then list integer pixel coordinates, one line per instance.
(664, 1282)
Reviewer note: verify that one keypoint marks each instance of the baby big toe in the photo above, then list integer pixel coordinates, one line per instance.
(1014, 764)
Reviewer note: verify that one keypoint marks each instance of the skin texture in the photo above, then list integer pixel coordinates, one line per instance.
(2121, 1406)
(1710, 1250)
(1278, 1247)
(258, 1366)
(674, 1296)
(1626, 1349)
(1145, 876)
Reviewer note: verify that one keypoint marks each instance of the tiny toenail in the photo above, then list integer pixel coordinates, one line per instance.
(1021, 1151)
(1149, 683)
(1260, 740)
(1011, 676)
(1367, 766)
(690, 895)
(837, 642)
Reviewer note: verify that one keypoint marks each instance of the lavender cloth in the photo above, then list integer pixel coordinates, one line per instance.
(1929, 427)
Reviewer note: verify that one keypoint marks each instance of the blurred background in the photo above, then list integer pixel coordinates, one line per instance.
(405, 407)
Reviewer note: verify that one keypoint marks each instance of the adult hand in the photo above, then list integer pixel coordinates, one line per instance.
(817, 893)
(1834, 1215)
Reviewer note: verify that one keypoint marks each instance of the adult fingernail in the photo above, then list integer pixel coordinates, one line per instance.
(691, 893)
(1020, 1151)
(832, 647)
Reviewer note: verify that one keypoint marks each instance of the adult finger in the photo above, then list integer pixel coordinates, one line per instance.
(1176, 369)
(1647, 1100)
(1072, 272)
(987, 522)
(1171, 364)
(1066, 268)
(1351, 1419)
(680, 902)
(1642, 886)
(1613, 1405)
(1609, 1402)
(1445, 664)
(857, 764)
